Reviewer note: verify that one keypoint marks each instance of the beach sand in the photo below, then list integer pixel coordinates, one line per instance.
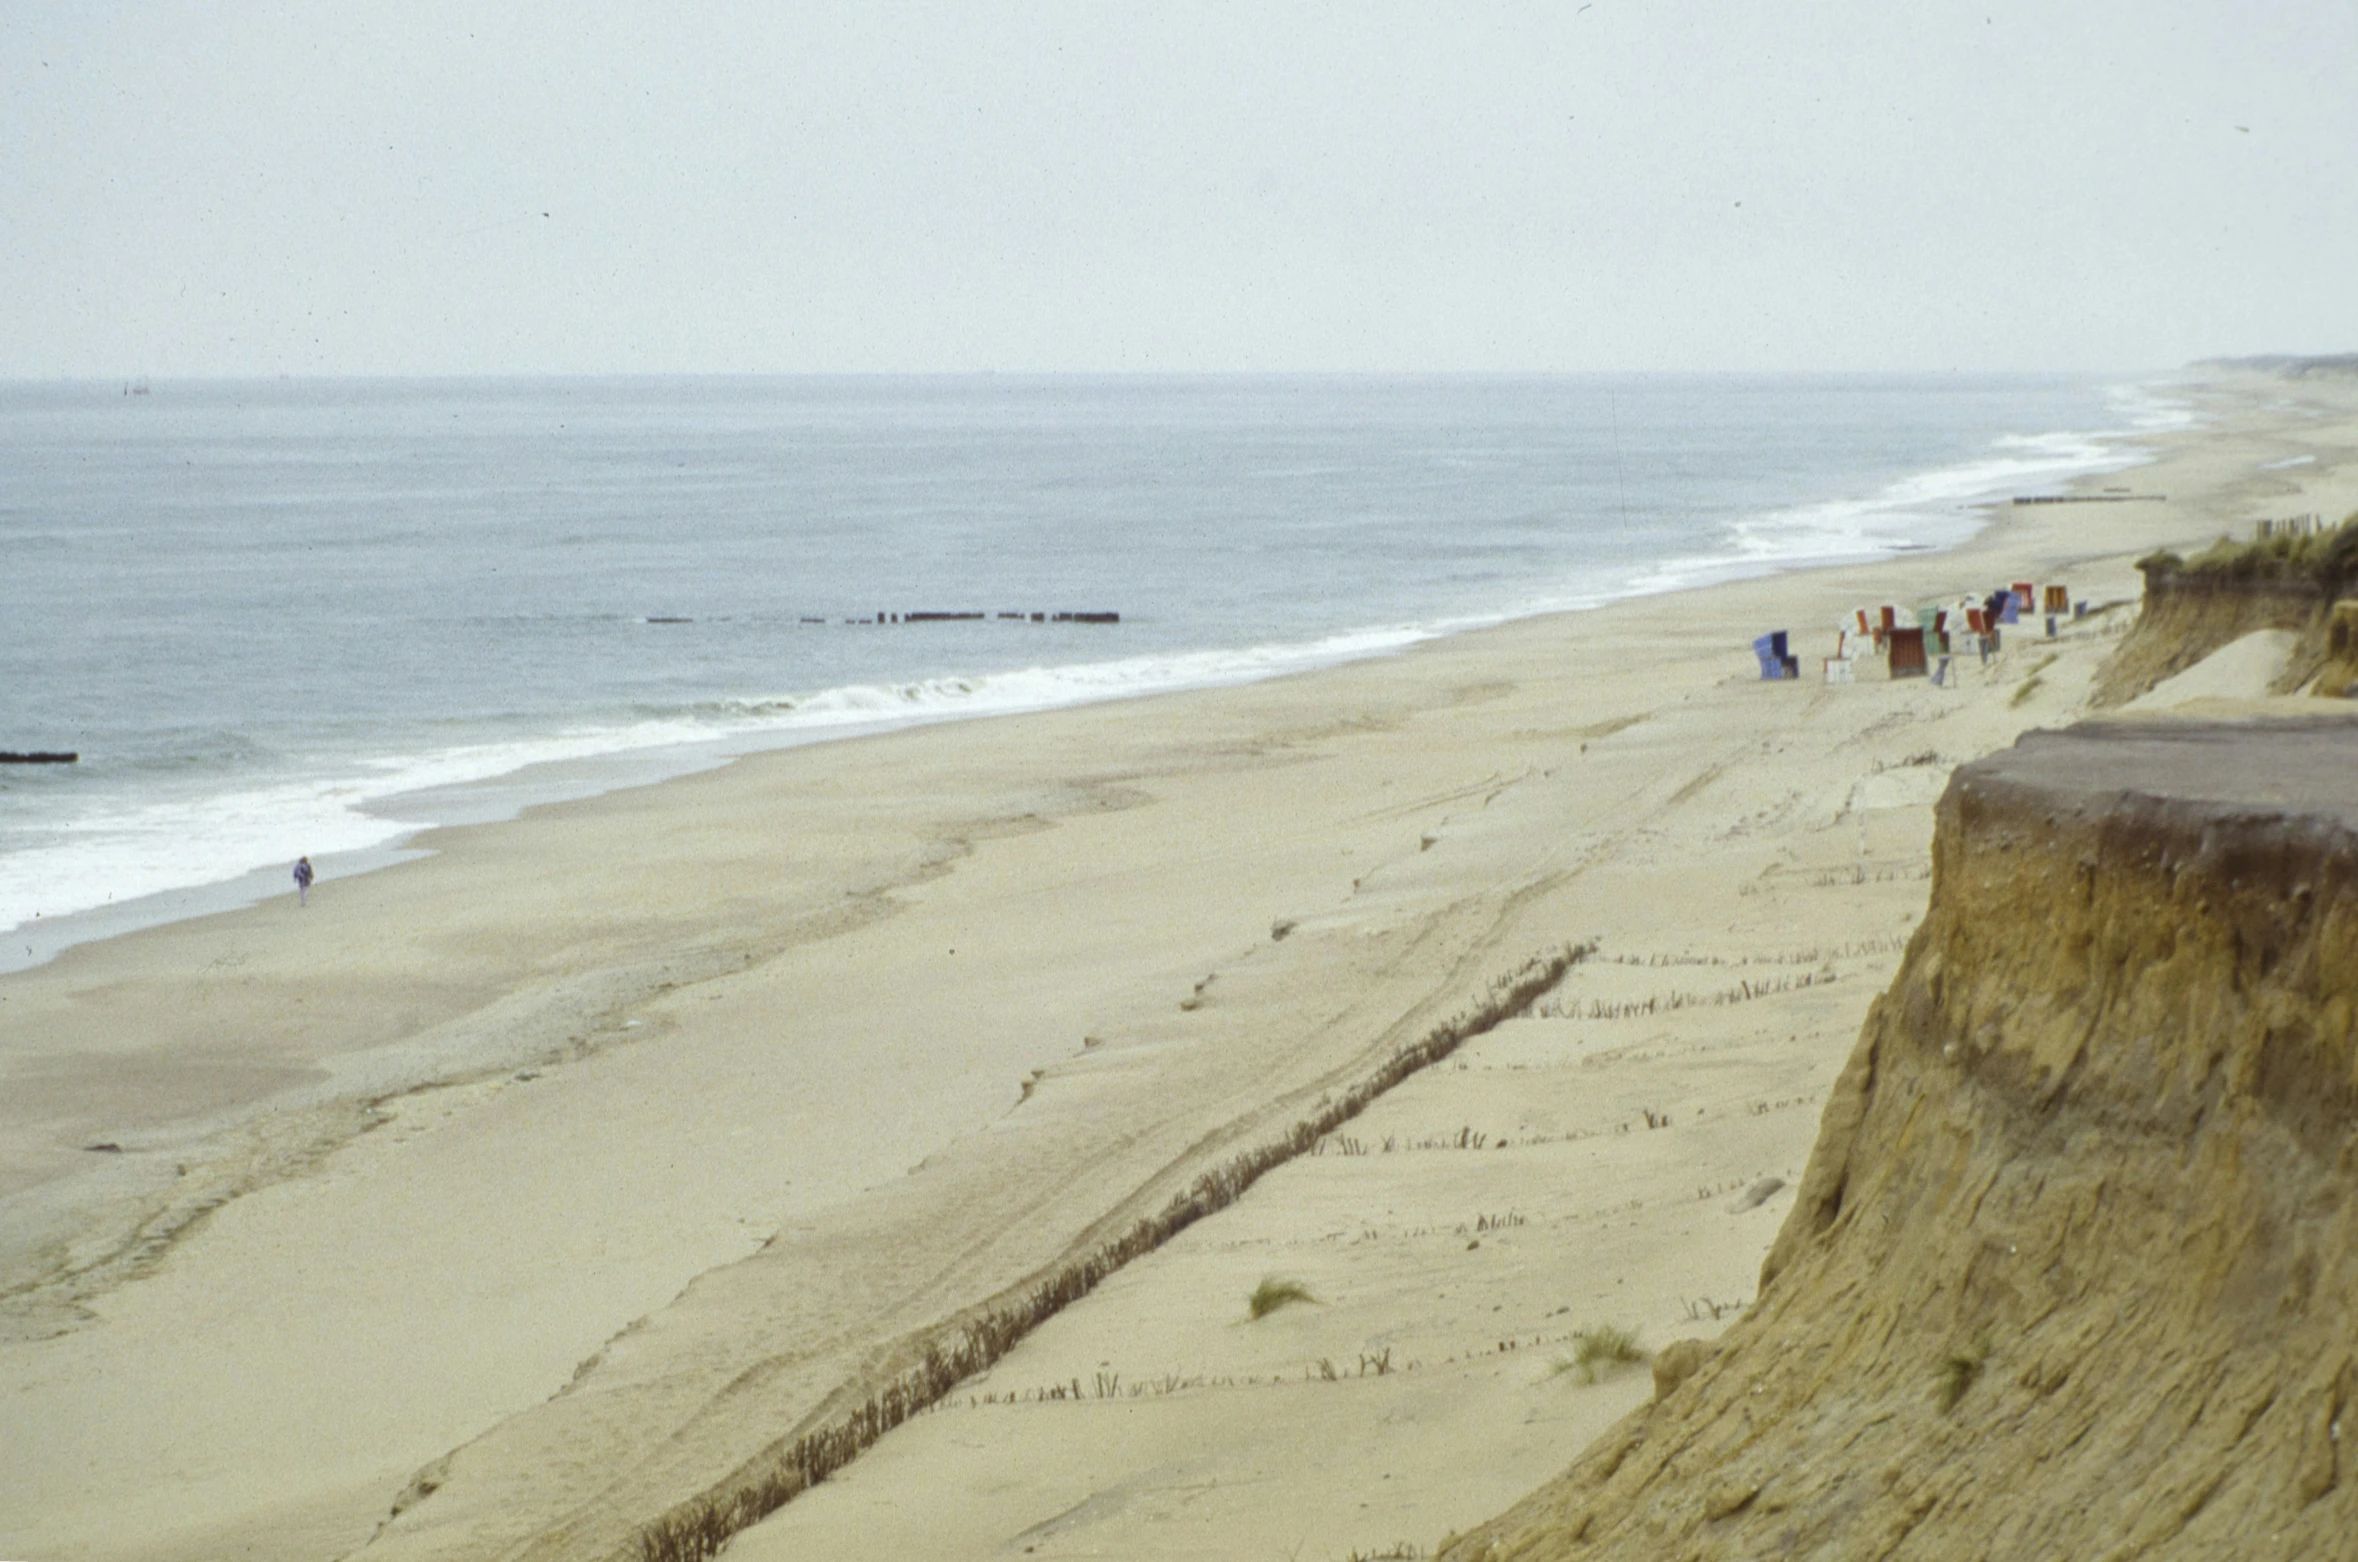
(540, 1185)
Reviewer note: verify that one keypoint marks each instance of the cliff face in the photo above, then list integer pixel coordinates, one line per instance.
(2074, 1268)
(2338, 679)
(2187, 615)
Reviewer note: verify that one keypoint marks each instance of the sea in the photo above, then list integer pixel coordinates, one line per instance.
(319, 616)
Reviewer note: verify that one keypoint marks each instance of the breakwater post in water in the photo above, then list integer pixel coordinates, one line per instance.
(2091, 498)
(937, 617)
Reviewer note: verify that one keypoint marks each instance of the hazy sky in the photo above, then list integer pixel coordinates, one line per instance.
(530, 186)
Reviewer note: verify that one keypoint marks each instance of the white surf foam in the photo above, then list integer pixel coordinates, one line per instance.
(1939, 508)
(114, 854)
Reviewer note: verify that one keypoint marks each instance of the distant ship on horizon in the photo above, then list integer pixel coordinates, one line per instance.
(136, 387)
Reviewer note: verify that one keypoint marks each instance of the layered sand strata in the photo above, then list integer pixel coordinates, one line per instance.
(2074, 1268)
(578, 1176)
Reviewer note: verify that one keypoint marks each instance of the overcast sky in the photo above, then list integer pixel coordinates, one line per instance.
(534, 186)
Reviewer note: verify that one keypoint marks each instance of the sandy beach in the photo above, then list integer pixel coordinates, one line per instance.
(499, 1203)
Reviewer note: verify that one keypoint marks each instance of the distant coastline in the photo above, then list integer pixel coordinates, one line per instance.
(2290, 365)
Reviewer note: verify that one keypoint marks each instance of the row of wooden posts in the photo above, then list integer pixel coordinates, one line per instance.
(2302, 525)
(958, 617)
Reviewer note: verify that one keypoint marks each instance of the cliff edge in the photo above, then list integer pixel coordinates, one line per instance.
(2193, 607)
(2074, 1267)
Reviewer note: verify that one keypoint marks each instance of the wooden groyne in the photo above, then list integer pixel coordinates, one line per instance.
(966, 617)
(929, 616)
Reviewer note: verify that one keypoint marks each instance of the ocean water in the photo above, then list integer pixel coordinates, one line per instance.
(316, 616)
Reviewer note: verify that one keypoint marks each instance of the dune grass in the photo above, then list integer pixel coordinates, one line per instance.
(2327, 556)
(1273, 1293)
(1597, 1351)
(2030, 685)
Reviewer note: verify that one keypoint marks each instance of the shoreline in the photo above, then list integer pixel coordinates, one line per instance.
(1089, 867)
(503, 794)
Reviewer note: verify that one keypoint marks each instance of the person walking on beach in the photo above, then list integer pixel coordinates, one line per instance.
(303, 878)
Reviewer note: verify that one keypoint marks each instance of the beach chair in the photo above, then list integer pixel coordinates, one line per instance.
(1976, 638)
(2057, 600)
(1907, 653)
(1772, 665)
(2027, 593)
(2011, 611)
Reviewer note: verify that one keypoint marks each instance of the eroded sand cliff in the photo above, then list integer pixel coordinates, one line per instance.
(2074, 1269)
(2192, 608)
